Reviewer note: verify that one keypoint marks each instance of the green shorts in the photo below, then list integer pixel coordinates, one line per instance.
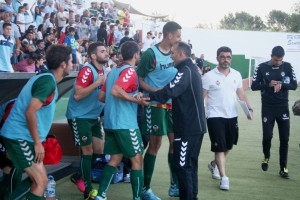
(157, 121)
(84, 130)
(123, 141)
(21, 152)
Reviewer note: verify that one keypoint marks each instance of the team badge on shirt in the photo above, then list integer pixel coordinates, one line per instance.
(217, 83)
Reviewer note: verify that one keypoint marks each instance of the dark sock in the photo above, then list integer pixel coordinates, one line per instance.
(16, 178)
(149, 164)
(106, 177)
(86, 168)
(136, 179)
(21, 190)
(174, 179)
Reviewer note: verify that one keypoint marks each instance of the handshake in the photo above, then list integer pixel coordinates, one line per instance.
(141, 99)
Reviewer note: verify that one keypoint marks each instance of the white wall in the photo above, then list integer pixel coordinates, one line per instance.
(248, 43)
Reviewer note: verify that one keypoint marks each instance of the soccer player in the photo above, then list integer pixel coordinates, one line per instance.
(122, 135)
(30, 120)
(188, 116)
(156, 70)
(274, 79)
(83, 112)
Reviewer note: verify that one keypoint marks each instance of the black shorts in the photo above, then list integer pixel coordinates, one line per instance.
(74, 59)
(223, 133)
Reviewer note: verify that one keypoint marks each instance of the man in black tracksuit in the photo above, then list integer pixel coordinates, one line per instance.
(274, 78)
(188, 117)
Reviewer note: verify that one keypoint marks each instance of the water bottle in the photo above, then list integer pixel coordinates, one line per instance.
(50, 190)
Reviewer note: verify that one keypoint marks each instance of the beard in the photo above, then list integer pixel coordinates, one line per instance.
(102, 61)
(224, 65)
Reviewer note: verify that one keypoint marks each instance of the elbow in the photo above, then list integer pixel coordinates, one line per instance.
(76, 97)
(113, 92)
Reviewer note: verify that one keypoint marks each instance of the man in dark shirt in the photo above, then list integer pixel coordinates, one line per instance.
(125, 38)
(200, 61)
(274, 78)
(188, 117)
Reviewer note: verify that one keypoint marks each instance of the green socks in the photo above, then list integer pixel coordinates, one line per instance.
(174, 179)
(21, 190)
(136, 179)
(106, 177)
(149, 163)
(86, 168)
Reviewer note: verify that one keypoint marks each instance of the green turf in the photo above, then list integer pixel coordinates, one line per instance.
(247, 180)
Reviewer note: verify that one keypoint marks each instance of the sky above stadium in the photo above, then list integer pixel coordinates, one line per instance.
(189, 13)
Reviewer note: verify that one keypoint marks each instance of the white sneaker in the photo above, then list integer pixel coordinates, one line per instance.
(215, 174)
(149, 195)
(224, 183)
(126, 178)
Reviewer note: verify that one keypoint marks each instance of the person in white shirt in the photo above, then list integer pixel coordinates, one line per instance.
(147, 42)
(20, 21)
(221, 86)
(28, 16)
(50, 7)
(61, 19)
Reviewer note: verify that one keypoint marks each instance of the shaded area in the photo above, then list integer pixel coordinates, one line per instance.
(11, 84)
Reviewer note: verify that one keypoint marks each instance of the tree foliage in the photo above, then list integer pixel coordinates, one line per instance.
(294, 25)
(278, 20)
(242, 21)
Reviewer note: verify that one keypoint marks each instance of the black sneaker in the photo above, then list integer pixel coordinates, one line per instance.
(284, 173)
(265, 164)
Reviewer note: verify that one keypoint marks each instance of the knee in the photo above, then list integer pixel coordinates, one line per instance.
(267, 138)
(284, 141)
(137, 162)
(40, 181)
(87, 150)
(154, 146)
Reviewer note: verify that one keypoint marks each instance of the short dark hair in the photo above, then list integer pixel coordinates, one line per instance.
(184, 48)
(128, 49)
(56, 54)
(39, 56)
(33, 56)
(223, 49)
(71, 29)
(39, 41)
(5, 24)
(170, 27)
(93, 48)
(126, 32)
(40, 27)
(278, 51)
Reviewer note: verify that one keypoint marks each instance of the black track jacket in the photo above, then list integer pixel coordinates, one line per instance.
(266, 72)
(187, 99)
